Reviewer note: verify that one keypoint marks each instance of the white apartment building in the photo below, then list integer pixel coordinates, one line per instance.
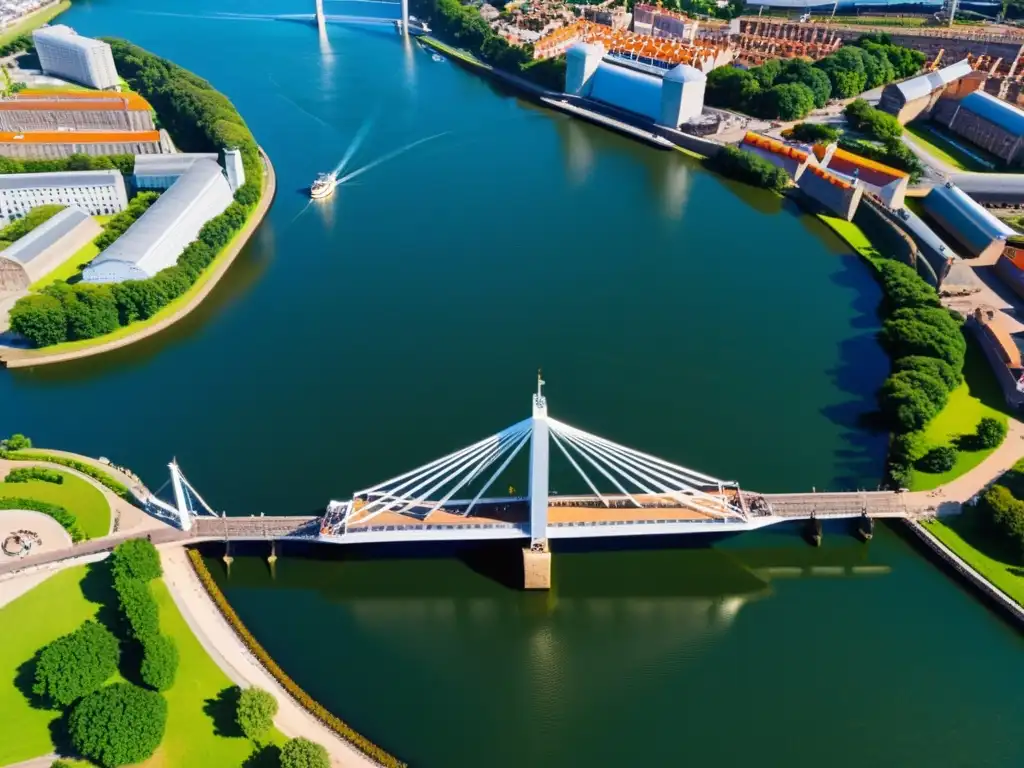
(64, 53)
(98, 193)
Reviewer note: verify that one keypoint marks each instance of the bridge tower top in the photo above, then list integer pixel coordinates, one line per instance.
(540, 403)
(539, 458)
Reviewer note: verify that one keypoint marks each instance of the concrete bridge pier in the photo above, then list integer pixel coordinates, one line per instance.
(228, 559)
(272, 558)
(537, 566)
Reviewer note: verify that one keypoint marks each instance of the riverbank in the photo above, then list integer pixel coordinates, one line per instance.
(224, 645)
(34, 20)
(178, 309)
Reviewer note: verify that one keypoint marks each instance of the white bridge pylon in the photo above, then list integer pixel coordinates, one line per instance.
(638, 479)
(188, 504)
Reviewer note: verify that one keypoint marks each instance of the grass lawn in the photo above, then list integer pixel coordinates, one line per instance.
(853, 235)
(200, 727)
(464, 55)
(965, 535)
(34, 20)
(78, 496)
(942, 148)
(54, 608)
(977, 397)
(69, 269)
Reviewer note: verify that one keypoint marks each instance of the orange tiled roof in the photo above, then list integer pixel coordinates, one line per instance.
(860, 162)
(831, 178)
(774, 146)
(127, 100)
(78, 137)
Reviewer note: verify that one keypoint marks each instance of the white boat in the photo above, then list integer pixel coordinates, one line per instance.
(437, 57)
(323, 186)
(416, 27)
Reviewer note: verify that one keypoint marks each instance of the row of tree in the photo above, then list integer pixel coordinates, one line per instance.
(254, 714)
(464, 26)
(746, 166)
(63, 312)
(788, 90)
(18, 228)
(76, 162)
(198, 117)
(121, 723)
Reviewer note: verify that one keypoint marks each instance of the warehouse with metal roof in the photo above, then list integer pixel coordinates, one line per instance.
(98, 193)
(979, 232)
(156, 240)
(987, 122)
(913, 98)
(161, 171)
(45, 248)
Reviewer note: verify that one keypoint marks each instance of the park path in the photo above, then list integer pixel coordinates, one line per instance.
(223, 645)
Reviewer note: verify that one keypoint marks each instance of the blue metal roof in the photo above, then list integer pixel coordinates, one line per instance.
(627, 89)
(964, 217)
(997, 111)
(46, 234)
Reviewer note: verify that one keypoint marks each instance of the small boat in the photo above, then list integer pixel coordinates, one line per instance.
(437, 57)
(323, 186)
(416, 27)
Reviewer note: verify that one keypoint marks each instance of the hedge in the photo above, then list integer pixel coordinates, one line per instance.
(86, 469)
(67, 520)
(28, 474)
(345, 731)
(138, 606)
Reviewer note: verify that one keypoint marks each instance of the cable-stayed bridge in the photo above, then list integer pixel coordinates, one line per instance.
(458, 497)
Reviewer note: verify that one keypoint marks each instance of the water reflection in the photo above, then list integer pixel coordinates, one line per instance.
(674, 178)
(579, 152)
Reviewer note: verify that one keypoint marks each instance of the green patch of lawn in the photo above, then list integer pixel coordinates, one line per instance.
(76, 495)
(34, 21)
(50, 610)
(200, 713)
(965, 534)
(942, 148)
(977, 397)
(69, 269)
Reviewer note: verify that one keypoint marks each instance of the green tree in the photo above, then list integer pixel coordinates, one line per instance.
(815, 133)
(137, 559)
(76, 664)
(904, 287)
(16, 442)
(990, 432)
(138, 607)
(303, 753)
(748, 167)
(120, 724)
(40, 319)
(909, 399)
(803, 72)
(767, 73)
(159, 662)
(255, 713)
(874, 122)
(940, 459)
(931, 366)
(787, 102)
(731, 88)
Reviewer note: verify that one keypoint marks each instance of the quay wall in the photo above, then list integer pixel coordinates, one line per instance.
(995, 597)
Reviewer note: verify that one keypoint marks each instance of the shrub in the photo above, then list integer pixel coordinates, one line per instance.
(27, 474)
(904, 335)
(1005, 515)
(18, 228)
(138, 607)
(909, 399)
(931, 366)
(64, 461)
(66, 520)
(61, 764)
(16, 442)
(159, 662)
(990, 432)
(904, 287)
(316, 709)
(941, 459)
(120, 724)
(77, 664)
(137, 559)
(748, 167)
(255, 713)
(303, 753)
(815, 132)
(874, 122)
(907, 448)
(40, 319)
(899, 475)
(789, 101)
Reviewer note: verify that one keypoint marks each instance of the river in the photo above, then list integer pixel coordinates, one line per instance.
(673, 311)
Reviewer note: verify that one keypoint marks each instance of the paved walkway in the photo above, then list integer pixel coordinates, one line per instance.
(224, 647)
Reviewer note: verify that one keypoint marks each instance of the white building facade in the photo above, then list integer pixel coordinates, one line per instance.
(156, 240)
(98, 193)
(65, 53)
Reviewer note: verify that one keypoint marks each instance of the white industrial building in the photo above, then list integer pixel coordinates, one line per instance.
(161, 171)
(156, 240)
(65, 53)
(668, 98)
(45, 248)
(98, 193)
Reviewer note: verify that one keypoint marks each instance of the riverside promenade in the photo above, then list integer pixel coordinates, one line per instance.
(18, 357)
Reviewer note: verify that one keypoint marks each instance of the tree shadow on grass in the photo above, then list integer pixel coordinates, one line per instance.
(60, 735)
(221, 709)
(975, 531)
(264, 757)
(98, 587)
(25, 678)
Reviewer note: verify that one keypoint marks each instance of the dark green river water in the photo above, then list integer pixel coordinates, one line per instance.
(672, 311)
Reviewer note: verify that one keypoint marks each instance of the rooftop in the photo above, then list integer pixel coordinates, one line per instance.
(923, 85)
(996, 111)
(78, 137)
(948, 199)
(774, 146)
(83, 101)
(63, 32)
(849, 159)
(169, 164)
(46, 234)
